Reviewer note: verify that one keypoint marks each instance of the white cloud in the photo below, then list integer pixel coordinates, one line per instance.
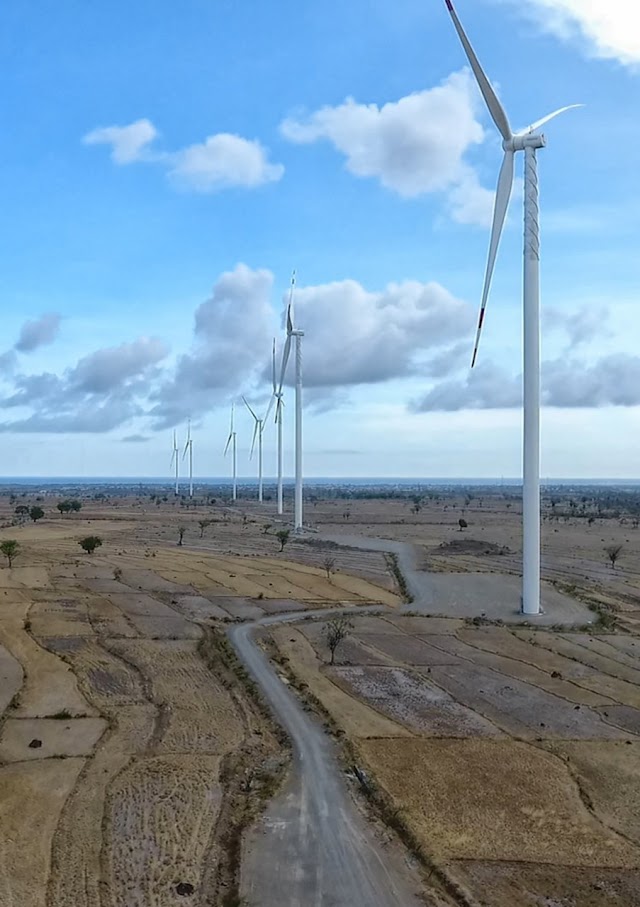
(128, 143)
(471, 203)
(355, 336)
(609, 28)
(38, 333)
(413, 146)
(222, 161)
(612, 380)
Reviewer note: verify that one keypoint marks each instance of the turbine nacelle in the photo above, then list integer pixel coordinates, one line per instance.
(524, 140)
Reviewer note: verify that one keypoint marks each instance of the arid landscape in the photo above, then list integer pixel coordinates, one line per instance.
(497, 761)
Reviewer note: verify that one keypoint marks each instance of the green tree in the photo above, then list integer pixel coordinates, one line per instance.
(10, 548)
(36, 513)
(22, 511)
(90, 543)
(283, 537)
(181, 532)
(64, 506)
(76, 506)
(462, 524)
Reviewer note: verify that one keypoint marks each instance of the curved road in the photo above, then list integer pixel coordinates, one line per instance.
(314, 848)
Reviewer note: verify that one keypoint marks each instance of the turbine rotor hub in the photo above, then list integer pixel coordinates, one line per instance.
(526, 140)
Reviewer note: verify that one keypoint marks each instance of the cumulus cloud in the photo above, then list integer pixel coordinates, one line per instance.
(607, 28)
(612, 380)
(581, 325)
(40, 332)
(232, 331)
(412, 146)
(220, 162)
(355, 336)
(102, 391)
(128, 143)
(107, 369)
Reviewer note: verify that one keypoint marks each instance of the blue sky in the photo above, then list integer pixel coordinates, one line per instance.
(239, 155)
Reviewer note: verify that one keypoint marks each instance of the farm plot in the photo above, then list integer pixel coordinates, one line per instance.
(511, 802)
(161, 814)
(413, 701)
(198, 714)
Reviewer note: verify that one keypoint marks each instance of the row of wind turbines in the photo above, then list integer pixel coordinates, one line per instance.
(293, 338)
(529, 141)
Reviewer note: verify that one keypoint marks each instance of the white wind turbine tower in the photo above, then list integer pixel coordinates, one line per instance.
(188, 448)
(528, 141)
(175, 461)
(231, 440)
(276, 398)
(298, 335)
(257, 434)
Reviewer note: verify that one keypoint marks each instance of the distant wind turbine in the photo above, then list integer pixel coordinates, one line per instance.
(175, 460)
(188, 448)
(298, 335)
(277, 398)
(257, 435)
(231, 440)
(529, 141)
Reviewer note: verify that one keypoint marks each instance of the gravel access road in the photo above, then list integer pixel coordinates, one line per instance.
(314, 847)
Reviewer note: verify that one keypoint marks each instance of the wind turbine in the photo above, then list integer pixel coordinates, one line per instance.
(529, 141)
(257, 434)
(297, 335)
(277, 398)
(231, 440)
(188, 447)
(175, 460)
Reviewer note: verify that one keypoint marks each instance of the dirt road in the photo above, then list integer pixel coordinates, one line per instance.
(494, 595)
(314, 848)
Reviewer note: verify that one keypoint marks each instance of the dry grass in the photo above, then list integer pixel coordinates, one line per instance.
(493, 800)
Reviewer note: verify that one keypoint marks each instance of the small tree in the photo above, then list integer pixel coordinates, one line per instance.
(336, 630)
(64, 506)
(203, 524)
(75, 506)
(283, 537)
(90, 543)
(462, 524)
(329, 564)
(36, 513)
(613, 553)
(10, 548)
(181, 532)
(117, 574)
(266, 528)
(22, 511)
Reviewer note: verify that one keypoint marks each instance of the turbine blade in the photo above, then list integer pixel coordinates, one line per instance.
(226, 447)
(290, 303)
(269, 408)
(549, 116)
(285, 359)
(279, 406)
(249, 408)
(253, 442)
(486, 88)
(273, 366)
(503, 194)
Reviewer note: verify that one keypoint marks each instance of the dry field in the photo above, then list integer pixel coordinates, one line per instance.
(124, 757)
(513, 756)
